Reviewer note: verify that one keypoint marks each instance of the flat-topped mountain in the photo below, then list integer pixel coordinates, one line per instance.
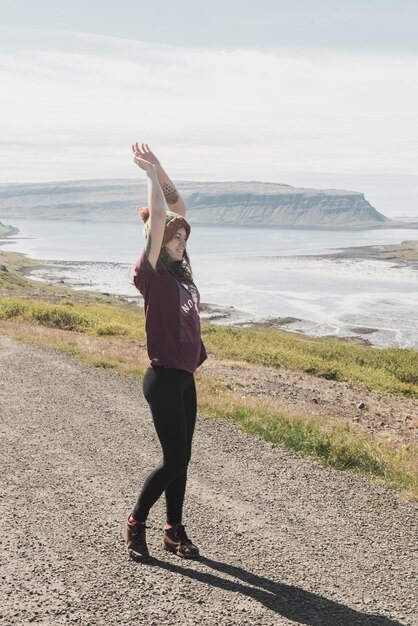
(234, 203)
(281, 205)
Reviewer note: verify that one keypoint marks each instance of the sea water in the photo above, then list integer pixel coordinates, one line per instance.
(263, 273)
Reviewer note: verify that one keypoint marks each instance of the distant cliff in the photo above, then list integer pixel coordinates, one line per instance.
(6, 230)
(235, 203)
(281, 205)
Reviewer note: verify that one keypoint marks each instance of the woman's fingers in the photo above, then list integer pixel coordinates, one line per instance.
(141, 151)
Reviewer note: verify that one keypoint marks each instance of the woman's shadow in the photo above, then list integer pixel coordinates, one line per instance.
(291, 602)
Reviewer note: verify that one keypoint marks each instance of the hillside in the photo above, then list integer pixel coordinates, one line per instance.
(234, 203)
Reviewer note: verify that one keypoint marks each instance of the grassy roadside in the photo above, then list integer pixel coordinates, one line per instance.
(333, 443)
(391, 370)
(112, 336)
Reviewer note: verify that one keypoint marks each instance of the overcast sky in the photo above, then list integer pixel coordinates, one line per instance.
(311, 93)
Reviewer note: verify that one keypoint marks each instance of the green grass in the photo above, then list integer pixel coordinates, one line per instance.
(92, 319)
(391, 370)
(115, 331)
(333, 443)
(10, 279)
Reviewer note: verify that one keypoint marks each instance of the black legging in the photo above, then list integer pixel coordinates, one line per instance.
(171, 395)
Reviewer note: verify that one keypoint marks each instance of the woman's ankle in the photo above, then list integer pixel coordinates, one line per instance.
(133, 520)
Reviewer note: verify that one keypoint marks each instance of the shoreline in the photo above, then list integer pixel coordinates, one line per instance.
(218, 314)
(404, 254)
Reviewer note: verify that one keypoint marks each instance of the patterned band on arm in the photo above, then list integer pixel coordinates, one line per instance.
(170, 193)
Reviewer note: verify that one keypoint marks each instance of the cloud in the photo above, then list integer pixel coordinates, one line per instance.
(72, 105)
(333, 24)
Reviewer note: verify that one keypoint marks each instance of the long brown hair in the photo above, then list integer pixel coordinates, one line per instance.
(181, 270)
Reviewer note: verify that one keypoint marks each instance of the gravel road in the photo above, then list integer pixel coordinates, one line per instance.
(284, 540)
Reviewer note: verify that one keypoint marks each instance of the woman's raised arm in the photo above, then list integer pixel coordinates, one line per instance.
(157, 209)
(171, 194)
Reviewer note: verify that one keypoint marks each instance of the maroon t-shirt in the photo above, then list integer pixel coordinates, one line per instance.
(172, 321)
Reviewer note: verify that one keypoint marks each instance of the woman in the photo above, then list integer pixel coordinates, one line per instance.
(163, 275)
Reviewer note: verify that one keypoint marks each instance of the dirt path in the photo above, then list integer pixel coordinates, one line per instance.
(285, 541)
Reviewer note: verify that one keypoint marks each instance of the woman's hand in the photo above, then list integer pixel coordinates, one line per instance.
(145, 153)
(142, 162)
